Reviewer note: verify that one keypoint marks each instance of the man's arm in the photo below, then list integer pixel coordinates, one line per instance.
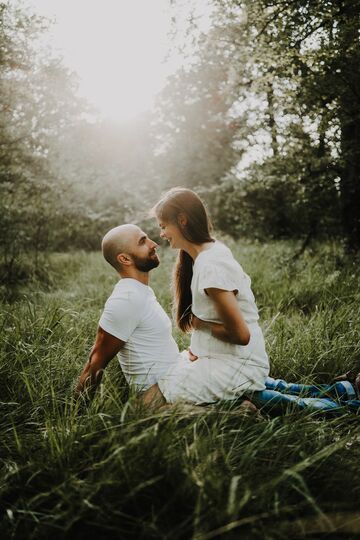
(233, 328)
(105, 348)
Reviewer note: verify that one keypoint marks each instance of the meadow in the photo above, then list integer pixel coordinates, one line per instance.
(107, 470)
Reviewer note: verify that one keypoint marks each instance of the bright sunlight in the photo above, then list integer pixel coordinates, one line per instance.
(117, 47)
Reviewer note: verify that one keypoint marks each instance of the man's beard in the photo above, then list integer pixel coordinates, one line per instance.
(145, 264)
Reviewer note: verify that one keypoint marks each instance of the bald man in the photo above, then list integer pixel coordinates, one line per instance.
(133, 324)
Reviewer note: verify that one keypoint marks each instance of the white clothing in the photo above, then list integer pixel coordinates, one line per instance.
(216, 267)
(223, 370)
(133, 314)
(211, 379)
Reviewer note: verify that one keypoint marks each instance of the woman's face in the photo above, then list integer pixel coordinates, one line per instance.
(171, 232)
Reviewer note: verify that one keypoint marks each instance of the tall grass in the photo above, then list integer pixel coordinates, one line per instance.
(107, 470)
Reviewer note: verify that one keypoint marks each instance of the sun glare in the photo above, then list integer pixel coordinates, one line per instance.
(117, 47)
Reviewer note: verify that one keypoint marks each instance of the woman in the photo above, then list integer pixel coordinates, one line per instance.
(214, 301)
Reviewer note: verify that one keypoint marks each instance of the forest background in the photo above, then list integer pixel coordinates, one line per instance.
(276, 80)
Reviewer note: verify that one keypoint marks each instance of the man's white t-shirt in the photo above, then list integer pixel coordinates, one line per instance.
(133, 314)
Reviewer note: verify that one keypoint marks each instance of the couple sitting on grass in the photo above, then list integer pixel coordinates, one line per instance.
(227, 359)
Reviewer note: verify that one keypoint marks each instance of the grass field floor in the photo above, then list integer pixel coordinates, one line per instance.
(106, 470)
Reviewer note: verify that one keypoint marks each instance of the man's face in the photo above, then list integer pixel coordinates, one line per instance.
(144, 253)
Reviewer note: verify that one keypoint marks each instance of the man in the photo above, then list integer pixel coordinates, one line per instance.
(135, 326)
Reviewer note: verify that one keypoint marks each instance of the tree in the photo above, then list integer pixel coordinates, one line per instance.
(37, 100)
(195, 128)
(305, 67)
(289, 75)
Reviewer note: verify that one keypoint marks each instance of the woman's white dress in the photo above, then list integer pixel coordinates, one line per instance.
(223, 370)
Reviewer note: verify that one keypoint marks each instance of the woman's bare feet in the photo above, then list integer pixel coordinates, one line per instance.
(248, 408)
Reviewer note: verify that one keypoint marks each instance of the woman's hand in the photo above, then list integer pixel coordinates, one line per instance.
(192, 356)
(233, 328)
(196, 323)
(199, 324)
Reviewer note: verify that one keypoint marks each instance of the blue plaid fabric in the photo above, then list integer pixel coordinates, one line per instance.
(281, 396)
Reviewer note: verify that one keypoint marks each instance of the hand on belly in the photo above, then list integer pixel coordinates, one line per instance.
(192, 357)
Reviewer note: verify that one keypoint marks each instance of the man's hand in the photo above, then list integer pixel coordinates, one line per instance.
(105, 348)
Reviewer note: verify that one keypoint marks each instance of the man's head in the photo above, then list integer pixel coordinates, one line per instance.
(128, 248)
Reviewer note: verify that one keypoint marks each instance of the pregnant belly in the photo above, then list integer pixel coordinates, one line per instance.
(204, 344)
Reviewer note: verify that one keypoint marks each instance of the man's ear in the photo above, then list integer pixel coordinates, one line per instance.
(182, 219)
(124, 259)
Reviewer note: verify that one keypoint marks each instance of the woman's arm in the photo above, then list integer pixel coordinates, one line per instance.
(233, 328)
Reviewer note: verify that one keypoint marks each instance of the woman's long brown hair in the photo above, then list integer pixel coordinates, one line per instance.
(176, 202)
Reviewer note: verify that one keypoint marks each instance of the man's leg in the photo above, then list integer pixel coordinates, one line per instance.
(341, 391)
(275, 401)
(280, 395)
(352, 376)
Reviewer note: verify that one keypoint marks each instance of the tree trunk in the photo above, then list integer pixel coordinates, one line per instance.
(349, 116)
(272, 122)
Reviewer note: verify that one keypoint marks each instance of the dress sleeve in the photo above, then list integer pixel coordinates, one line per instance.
(219, 276)
(121, 316)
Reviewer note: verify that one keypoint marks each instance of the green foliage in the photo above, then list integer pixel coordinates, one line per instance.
(194, 131)
(278, 81)
(262, 119)
(37, 99)
(106, 469)
(65, 178)
(107, 177)
(286, 196)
